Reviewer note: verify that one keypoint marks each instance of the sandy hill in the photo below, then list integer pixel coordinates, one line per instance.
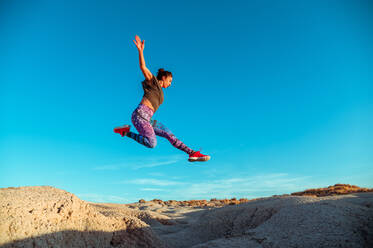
(50, 217)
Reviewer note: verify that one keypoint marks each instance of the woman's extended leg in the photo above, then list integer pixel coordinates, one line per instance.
(141, 120)
(164, 132)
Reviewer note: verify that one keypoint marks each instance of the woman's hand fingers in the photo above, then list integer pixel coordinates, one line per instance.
(137, 45)
(140, 45)
(138, 39)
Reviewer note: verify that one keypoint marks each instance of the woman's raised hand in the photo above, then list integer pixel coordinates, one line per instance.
(140, 45)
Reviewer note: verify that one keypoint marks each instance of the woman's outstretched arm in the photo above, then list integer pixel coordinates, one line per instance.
(140, 47)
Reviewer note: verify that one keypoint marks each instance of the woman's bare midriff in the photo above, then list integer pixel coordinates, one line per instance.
(146, 102)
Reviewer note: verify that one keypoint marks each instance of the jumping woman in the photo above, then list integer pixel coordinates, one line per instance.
(142, 115)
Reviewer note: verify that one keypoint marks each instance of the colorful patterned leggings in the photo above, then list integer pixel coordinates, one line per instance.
(148, 129)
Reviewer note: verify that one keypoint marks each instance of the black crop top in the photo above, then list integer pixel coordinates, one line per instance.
(153, 92)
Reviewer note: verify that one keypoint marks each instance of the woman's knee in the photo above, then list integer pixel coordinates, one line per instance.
(152, 143)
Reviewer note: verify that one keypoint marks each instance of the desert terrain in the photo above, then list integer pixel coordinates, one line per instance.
(42, 216)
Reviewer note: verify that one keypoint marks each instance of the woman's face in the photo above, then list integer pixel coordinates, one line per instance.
(166, 81)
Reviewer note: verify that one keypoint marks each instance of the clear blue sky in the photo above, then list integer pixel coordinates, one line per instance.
(279, 93)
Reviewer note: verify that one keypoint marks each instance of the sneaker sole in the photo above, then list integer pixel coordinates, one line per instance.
(201, 159)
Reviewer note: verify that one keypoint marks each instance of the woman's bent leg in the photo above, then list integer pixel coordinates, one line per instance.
(165, 133)
(146, 134)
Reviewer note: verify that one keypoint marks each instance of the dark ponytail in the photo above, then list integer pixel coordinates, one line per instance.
(162, 72)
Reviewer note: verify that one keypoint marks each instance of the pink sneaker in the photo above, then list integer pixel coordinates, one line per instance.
(197, 156)
(122, 130)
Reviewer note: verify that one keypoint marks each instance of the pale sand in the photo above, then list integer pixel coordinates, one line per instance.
(49, 217)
